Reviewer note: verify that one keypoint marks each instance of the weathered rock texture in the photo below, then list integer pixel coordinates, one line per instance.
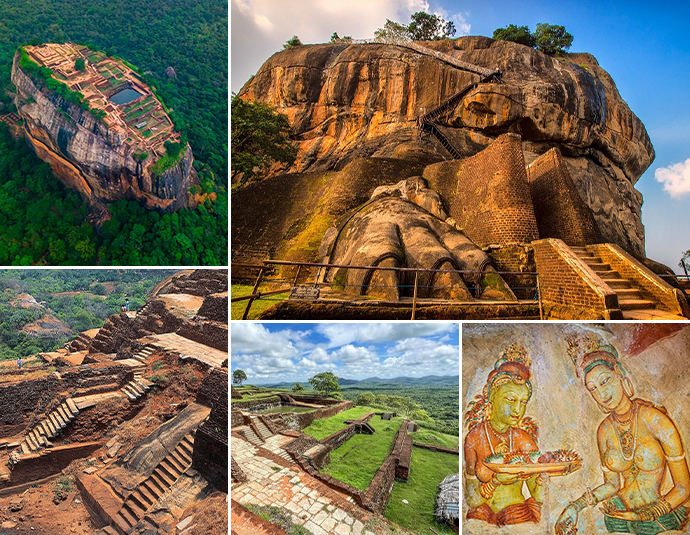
(348, 101)
(91, 158)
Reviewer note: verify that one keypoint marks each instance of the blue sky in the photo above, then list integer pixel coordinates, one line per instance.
(277, 352)
(643, 45)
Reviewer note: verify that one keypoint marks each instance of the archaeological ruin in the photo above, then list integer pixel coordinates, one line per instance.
(129, 420)
(278, 462)
(466, 178)
(101, 128)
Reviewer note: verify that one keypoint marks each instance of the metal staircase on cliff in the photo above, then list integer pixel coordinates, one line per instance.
(427, 124)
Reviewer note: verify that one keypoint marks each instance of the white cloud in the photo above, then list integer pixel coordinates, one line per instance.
(341, 334)
(261, 27)
(675, 178)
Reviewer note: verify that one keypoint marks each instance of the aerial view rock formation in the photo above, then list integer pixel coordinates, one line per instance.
(126, 424)
(100, 127)
(519, 151)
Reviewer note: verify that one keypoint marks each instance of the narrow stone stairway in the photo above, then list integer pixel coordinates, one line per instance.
(49, 428)
(149, 491)
(136, 388)
(144, 353)
(630, 299)
(251, 436)
(264, 431)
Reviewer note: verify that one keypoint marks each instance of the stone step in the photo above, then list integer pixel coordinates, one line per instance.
(51, 428)
(628, 293)
(72, 406)
(177, 462)
(170, 470)
(616, 284)
(187, 444)
(146, 496)
(599, 266)
(181, 457)
(128, 393)
(134, 508)
(56, 423)
(25, 448)
(165, 478)
(125, 520)
(59, 419)
(635, 304)
(65, 415)
(608, 275)
(156, 485)
(109, 530)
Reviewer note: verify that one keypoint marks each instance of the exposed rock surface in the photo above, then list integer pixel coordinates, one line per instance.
(347, 101)
(89, 157)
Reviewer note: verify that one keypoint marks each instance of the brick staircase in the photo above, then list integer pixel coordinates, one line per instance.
(251, 436)
(629, 296)
(144, 353)
(102, 340)
(80, 343)
(149, 491)
(49, 428)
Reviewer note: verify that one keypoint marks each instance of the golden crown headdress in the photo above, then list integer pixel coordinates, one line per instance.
(586, 351)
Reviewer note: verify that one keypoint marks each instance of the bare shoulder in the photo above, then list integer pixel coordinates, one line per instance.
(473, 438)
(654, 417)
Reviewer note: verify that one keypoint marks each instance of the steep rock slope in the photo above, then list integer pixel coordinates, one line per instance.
(348, 101)
(92, 158)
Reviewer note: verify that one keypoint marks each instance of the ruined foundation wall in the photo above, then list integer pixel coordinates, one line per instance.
(559, 210)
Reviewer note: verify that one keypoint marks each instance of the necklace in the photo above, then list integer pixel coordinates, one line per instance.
(627, 417)
(627, 438)
(502, 447)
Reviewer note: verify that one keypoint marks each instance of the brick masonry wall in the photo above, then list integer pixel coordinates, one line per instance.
(561, 283)
(337, 438)
(559, 210)
(213, 387)
(210, 455)
(488, 194)
(210, 333)
(379, 490)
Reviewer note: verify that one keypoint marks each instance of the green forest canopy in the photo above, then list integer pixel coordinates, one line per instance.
(189, 35)
(82, 299)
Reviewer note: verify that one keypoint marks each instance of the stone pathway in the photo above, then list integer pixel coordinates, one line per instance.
(321, 510)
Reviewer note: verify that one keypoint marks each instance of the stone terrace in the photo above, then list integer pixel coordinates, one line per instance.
(273, 480)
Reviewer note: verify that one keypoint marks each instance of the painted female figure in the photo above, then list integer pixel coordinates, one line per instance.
(497, 425)
(637, 443)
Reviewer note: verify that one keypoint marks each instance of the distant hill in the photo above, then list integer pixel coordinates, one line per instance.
(378, 382)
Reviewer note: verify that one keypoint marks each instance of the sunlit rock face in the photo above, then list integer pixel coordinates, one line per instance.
(348, 101)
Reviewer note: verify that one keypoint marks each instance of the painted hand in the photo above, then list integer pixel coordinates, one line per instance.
(567, 522)
(621, 515)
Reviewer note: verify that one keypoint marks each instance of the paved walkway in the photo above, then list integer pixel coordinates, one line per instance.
(188, 348)
(318, 508)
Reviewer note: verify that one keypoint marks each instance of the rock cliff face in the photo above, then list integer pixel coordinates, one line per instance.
(91, 158)
(348, 101)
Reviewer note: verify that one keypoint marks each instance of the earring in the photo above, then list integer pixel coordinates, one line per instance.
(488, 411)
(628, 387)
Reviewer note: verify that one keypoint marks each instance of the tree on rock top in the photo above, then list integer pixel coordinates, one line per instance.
(292, 42)
(325, 383)
(297, 388)
(550, 39)
(238, 376)
(424, 27)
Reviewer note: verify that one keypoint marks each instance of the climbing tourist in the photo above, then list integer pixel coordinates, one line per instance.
(638, 444)
(19, 363)
(127, 304)
(497, 426)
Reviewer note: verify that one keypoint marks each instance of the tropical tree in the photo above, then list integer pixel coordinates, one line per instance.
(392, 31)
(259, 137)
(297, 388)
(292, 42)
(365, 399)
(516, 34)
(335, 38)
(552, 39)
(80, 64)
(238, 376)
(428, 27)
(685, 261)
(325, 383)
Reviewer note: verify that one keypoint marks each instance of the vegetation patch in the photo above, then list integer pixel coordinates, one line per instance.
(358, 466)
(324, 427)
(279, 517)
(427, 470)
(258, 306)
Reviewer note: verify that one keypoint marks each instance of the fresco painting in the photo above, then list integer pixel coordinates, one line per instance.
(609, 453)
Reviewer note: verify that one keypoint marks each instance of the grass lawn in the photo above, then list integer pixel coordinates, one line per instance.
(258, 306)
(357, 460)
(427, 470)
(429, 436)
(253, 397)
(324, 427)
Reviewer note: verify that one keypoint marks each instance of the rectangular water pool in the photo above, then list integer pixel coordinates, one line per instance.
(125, 96)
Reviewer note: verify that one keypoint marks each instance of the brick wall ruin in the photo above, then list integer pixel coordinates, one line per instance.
(488, 194)
(211, 333)
(559, 210)
(210, 455)
(215, 307)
